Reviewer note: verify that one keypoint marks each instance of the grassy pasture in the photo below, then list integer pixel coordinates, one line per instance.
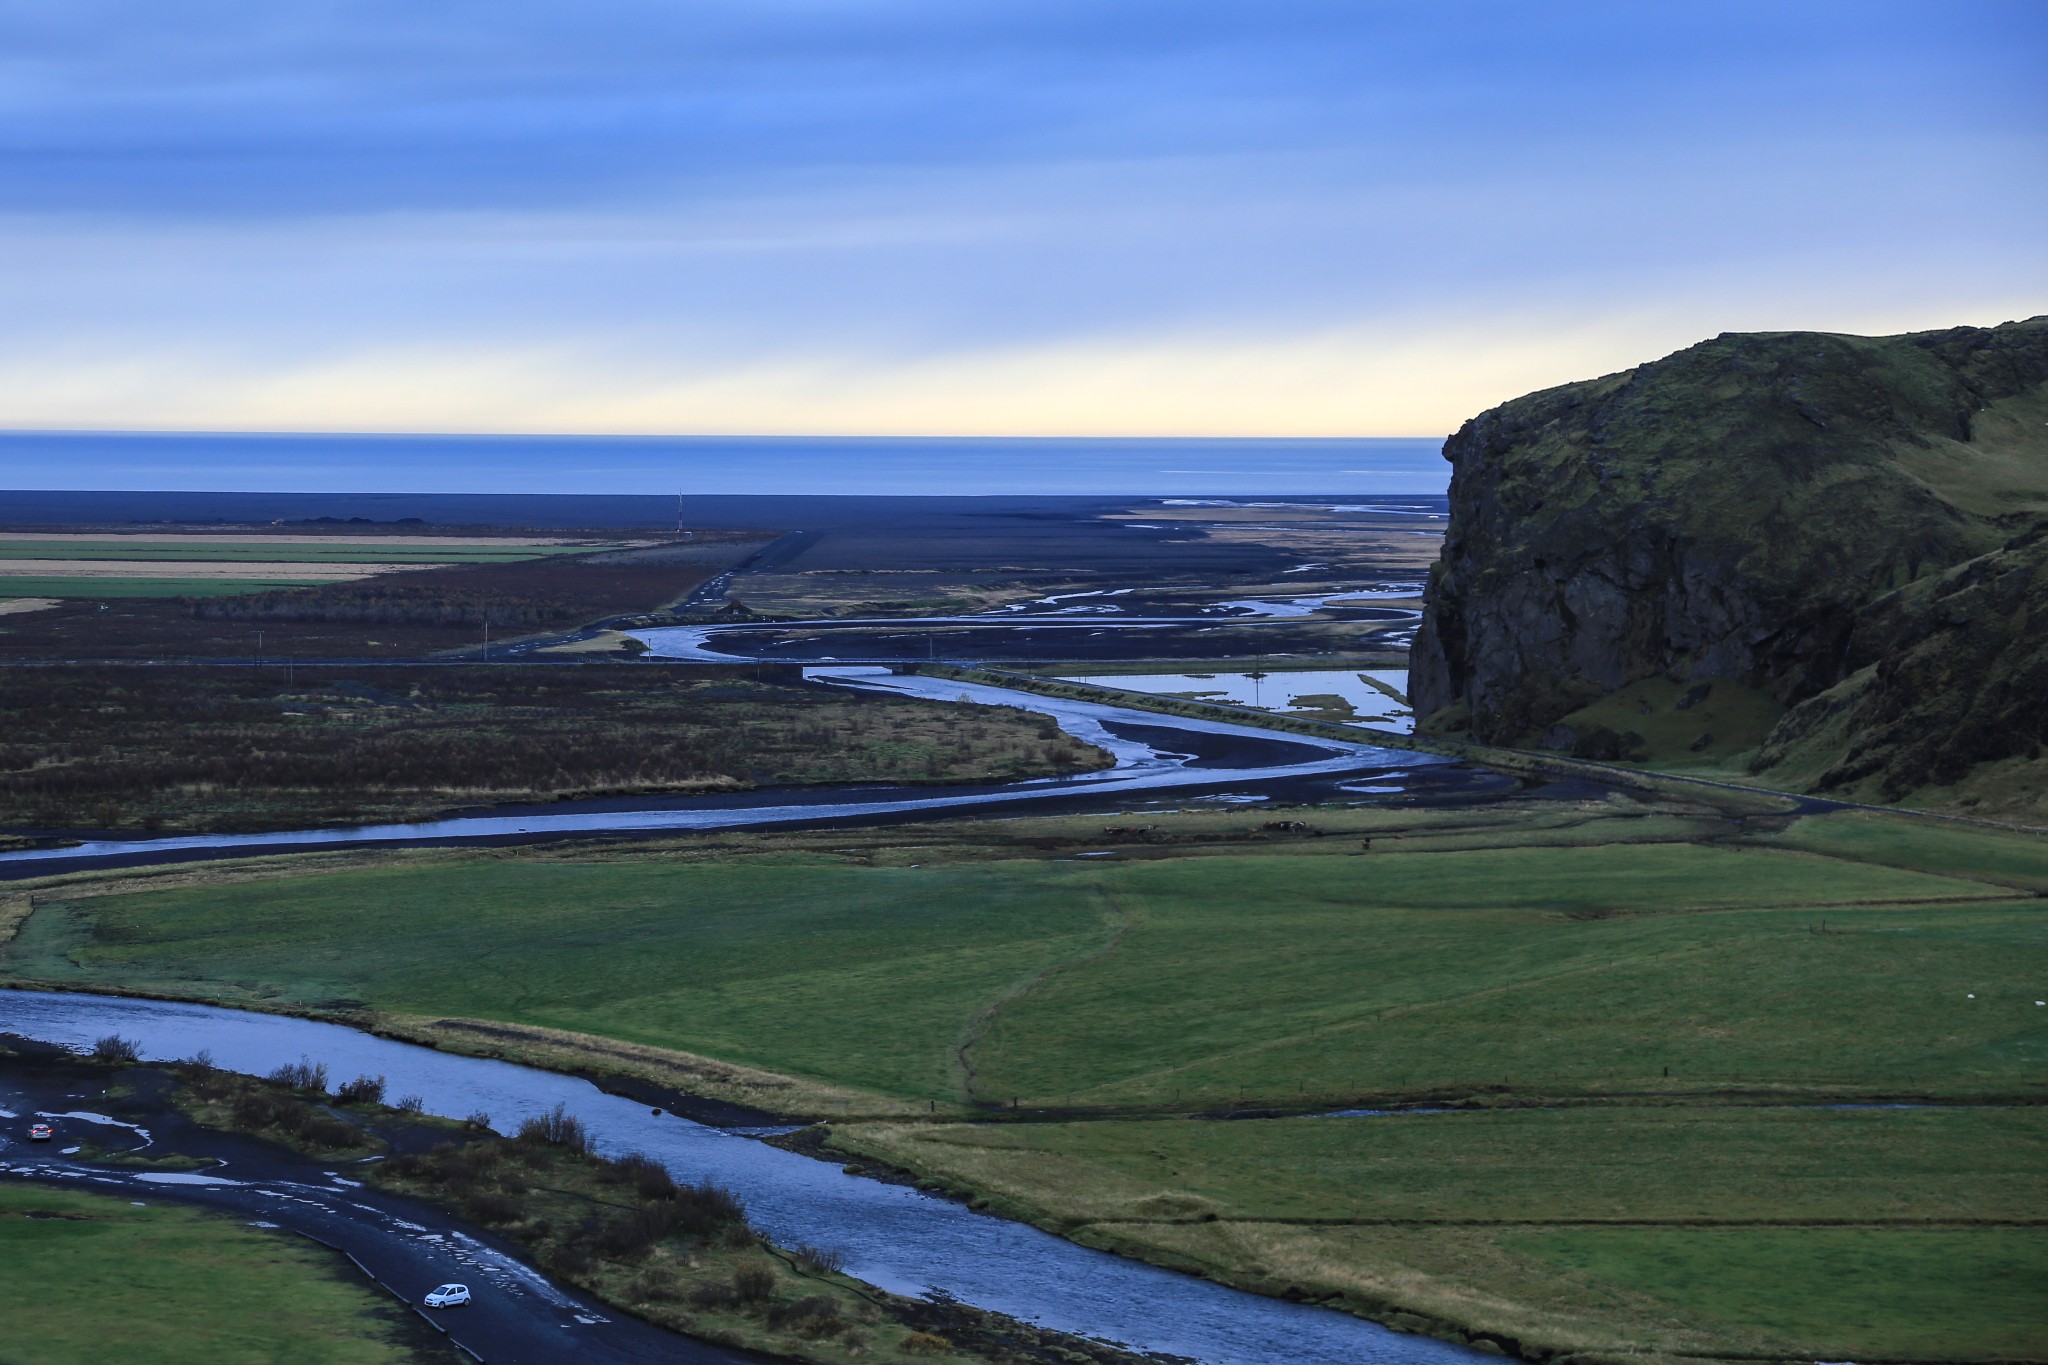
(1778, 1231)
(141, 587)
(229, 565)
(1289, 974)
(234, 550)
(864, 976)
(1540, 964)
(2000, 857)
(349, 609)
(1547, 968)
(92, 1279)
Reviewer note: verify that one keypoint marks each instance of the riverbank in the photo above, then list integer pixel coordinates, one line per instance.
(680, 1256)
(1602, 1233)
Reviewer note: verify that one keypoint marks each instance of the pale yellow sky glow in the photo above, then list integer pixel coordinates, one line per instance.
(1004, 220)
(1396, 379)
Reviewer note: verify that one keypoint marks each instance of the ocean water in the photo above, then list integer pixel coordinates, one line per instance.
(670, 465)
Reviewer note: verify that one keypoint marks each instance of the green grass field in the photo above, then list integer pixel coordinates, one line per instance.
(1778, 1231)
(1275, 976)
(270, 552)
(92, 1279)
(143, 587)
(257, 554)
(1690, 995)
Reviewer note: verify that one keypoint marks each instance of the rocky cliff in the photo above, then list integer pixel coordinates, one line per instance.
(1807, 553)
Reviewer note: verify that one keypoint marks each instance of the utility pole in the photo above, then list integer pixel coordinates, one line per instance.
(487, 639)
(259, 653)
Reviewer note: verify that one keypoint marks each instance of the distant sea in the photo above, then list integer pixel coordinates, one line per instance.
(694, 465)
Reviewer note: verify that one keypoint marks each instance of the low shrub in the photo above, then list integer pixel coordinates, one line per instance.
(556, 1128)
(924, 1344)
(648, 1177)
(324, 1131)
(304, 1074)
(830, 1260)
(812, 1316)
(115, 1048)
(488, 1206)
(569, 1259)
(714, 1296)
(753, 1282)
(410, 1104)
(256, 1111)
(709, 1207)
(408, 1166)
(361, 1090)
(657, 1286)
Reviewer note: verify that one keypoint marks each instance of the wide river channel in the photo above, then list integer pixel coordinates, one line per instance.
(1158, 758)
(892, 1235)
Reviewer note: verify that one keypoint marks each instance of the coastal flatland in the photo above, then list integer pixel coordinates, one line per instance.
(1646, 1018)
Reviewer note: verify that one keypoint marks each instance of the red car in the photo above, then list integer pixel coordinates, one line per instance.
(40, 1132)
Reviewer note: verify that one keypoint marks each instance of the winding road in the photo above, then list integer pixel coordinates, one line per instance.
(518, 1317)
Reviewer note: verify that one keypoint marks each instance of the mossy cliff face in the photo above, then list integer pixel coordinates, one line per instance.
(1737, 511)
(1953, 695)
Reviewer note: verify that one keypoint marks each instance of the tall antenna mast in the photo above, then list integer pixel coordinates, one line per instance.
(679, 511)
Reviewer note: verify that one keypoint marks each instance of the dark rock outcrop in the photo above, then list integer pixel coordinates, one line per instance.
(1958, 680)
(1778, 510)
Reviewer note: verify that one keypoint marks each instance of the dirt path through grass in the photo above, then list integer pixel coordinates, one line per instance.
(984, 1020)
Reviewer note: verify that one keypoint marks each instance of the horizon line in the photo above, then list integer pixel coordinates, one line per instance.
(7, 431)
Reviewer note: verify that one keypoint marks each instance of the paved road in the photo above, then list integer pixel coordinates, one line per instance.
(520, 1317)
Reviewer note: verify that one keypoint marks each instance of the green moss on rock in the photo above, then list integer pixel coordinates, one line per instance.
(1781, 515)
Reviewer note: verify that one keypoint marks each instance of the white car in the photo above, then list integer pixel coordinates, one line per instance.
(449, 1296)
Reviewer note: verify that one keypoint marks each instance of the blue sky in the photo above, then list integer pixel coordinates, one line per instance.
(770, 216)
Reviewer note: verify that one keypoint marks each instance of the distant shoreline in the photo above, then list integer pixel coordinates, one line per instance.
(583, 511)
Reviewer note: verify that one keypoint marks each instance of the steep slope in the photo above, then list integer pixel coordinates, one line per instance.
(1954, 707)
(1756, 523)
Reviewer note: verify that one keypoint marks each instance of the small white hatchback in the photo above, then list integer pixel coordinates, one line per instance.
(449, 1296)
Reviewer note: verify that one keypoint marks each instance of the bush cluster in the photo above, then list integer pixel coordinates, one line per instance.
(487, 1175)
(361, 1090)
(304, 1074)
(114, 1048)
(826, 1260)
(257, 1111)
(556, 1128)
